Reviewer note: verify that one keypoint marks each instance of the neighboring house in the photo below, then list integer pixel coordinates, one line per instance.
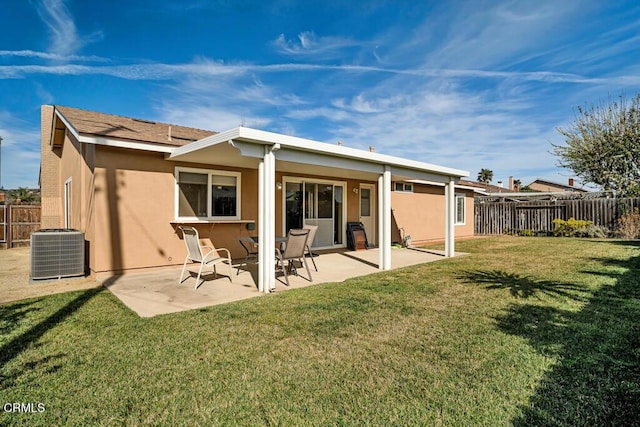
(546, 186)
(480, 188)
(128, 184)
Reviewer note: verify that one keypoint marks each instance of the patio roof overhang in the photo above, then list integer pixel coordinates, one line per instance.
(256, 149)
(244, 147)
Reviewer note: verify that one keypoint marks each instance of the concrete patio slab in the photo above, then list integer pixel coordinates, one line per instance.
(157, 291)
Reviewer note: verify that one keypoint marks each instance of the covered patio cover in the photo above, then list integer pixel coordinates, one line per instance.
(266, 152)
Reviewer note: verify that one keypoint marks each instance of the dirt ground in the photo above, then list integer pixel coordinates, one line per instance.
(14, 278)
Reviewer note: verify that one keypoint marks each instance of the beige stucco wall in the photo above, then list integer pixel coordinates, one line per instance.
(135, 211)
(422, 214)
(59, 164)
(72, 167)
(49, 173)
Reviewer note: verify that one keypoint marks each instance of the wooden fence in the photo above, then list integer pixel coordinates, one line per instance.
(512, 216)
(17, 222)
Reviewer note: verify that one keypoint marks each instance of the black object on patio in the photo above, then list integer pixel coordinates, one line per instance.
(356, 236)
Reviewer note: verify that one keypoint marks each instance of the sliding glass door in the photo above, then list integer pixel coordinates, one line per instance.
(318, 203)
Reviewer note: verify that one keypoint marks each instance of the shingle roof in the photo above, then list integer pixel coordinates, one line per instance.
(126, 128)
(557, 184)
(488, 187)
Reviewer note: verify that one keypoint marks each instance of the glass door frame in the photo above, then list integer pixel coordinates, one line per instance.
(313, 180)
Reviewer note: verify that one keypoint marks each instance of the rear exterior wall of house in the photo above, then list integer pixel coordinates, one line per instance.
(124, 200)
(421, 214)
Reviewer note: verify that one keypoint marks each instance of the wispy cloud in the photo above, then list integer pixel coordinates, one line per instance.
(307, 44)
(159, 71)
(51, 56)
(65, 40)
(470, 85)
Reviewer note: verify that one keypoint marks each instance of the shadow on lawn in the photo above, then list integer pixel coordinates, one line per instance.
(596, 380)
(12, 313)
(20, 343)
(522, 286)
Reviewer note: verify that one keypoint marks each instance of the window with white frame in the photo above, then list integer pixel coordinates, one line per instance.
(405, 187)
(207, 194)
(460, 209)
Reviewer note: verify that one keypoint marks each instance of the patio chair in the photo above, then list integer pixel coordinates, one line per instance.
(251, 248)
(294, 250)
(312, 235)
(195, 253)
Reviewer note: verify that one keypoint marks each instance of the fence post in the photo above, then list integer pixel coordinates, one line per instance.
(9, 227)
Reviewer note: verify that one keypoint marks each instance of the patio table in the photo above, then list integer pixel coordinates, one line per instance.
(255, 240)
(248, 243)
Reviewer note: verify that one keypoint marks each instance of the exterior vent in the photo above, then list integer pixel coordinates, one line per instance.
(57, 253)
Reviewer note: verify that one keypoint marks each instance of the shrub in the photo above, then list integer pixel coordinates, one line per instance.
(592, 231)
(569, 227)
(510, 232)
(629, 225)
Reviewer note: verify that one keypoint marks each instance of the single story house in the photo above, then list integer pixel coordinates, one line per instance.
(128, 184)
(547, 186)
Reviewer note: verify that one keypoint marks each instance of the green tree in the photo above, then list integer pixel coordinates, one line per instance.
(517, 184)
(602, 146)
(485, 175)
(24, 195)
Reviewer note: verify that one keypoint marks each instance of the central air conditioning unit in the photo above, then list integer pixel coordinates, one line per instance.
(57, 253)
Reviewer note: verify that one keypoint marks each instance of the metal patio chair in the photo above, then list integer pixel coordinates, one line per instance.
(210, 256)
(294, 250)
(250, 246)
(312, 235)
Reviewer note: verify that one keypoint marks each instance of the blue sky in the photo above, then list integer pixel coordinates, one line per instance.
(465, 84)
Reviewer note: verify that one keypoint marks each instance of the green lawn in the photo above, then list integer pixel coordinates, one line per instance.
(524, 331)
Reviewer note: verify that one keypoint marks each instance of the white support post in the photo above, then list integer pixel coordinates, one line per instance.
(266, 220)
(381, 207)
(386, 189)
(262, 226)
(384, 222)
(270, 207)
(450, 210)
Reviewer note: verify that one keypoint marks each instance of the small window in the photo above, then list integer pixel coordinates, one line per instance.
(405, 187)
(460, 209)
(192, 194)
(224, 196)
(207, 194)
(365, 202)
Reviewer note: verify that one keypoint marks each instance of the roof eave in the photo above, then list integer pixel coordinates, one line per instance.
(301, 144)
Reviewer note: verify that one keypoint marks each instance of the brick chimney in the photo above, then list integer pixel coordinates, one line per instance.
(570, 182)
(511, 186)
